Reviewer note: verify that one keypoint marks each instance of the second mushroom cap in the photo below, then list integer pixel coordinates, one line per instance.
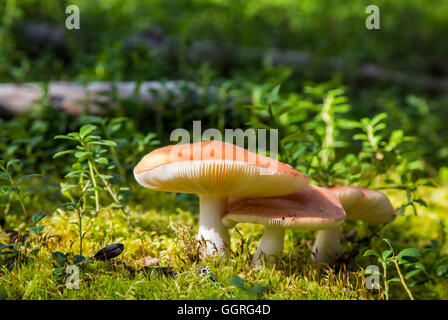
(312, 208)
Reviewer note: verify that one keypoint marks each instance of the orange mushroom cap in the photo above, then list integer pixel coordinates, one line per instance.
(217, 168)
(312, 208)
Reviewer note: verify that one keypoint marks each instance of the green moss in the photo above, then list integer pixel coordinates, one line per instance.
(169, 236)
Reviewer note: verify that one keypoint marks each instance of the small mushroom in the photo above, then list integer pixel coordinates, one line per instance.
(360, 204)
(215, 170)
(312, 208)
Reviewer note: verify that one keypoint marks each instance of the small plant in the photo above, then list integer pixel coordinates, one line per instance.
(14, 186)
(79, 207)
(130, 143)
(37, 230)
(88, 155)
(91, 168)
(61, 263)
(382, 154)
(408, 258)
(310, 127)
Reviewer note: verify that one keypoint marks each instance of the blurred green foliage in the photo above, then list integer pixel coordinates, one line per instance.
(149, 40)
(335, 125)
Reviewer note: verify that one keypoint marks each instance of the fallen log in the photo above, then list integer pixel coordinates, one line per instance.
(76, 98)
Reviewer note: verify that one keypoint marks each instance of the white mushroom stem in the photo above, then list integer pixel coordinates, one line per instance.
(271, 246)
(212, 208)
(327, 245)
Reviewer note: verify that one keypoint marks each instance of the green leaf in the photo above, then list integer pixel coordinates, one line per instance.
(4, 176)
(68, 187)
(35, 229)
(118, 120)
(283, 110)
(378, 118)
(108, 143)
(256, 108)
(102, 160)
(409, 255)
(386, 254)
(442, 270)
(63, 153)
(372, 271)
(97, 188)
(114, 127)
(86, 129)
(92, 137)
(393, 280)
(273, 94)
(412, 273)
(360, 136)
(11, 162)
(8, 189)
(371, 253)
(75, 173)
(347, 124)
(59, 257)
(57, 272)
(389, 243)
(421, 202)
(65, 137)
(82, 154)
(38, 216)
(27, 177)
(78, 259)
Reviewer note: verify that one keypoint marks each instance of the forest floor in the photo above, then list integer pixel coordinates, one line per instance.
(161, 260)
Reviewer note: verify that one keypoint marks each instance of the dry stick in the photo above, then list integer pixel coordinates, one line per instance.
(386, 286)
(402, 279)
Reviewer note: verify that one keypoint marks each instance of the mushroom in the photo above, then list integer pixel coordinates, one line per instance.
(215, 170)
(312, 208)
(360, 204)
